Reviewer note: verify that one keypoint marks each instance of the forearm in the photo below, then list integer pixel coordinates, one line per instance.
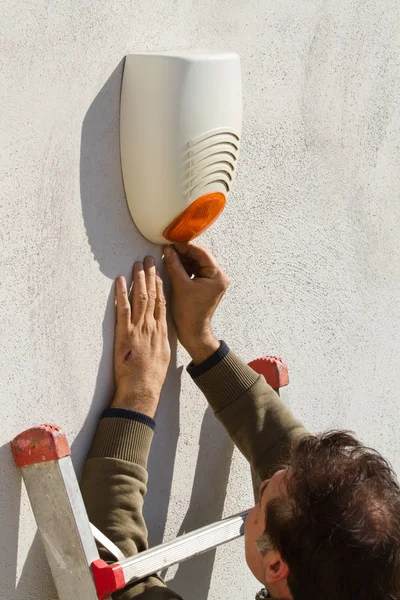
(114, 483)
(252, 413)
(114, 479)
(137, 400)
(202, 347)
(257, 420)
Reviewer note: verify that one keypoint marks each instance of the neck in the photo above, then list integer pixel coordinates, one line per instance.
(280, 590)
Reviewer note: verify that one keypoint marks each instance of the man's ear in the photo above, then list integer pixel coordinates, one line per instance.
(275, 568)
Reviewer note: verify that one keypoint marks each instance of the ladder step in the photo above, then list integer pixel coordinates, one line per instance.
(184, 547)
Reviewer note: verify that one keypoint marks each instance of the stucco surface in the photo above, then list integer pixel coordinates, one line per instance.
(310, 239)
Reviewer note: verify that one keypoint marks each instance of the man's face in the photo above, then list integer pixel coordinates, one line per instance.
(256, 522)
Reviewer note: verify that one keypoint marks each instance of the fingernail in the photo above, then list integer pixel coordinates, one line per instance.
(149, 260)
(121, 282)
(167, 251)
(139, 265)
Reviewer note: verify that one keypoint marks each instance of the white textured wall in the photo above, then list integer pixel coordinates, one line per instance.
(310, 239)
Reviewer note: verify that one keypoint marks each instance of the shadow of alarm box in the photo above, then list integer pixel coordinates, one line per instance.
(180, 127)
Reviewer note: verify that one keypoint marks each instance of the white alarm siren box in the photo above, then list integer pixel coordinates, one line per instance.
(181, 117)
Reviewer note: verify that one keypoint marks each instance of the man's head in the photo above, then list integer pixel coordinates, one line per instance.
(328, 526)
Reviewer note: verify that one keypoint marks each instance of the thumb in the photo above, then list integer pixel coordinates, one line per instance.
(175, 268)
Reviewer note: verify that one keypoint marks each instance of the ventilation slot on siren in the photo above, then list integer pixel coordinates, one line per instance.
(210, 159)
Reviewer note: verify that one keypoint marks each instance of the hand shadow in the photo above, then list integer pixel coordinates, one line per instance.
(193, 577)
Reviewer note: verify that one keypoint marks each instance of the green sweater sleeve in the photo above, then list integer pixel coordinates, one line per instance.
(114, 483)
(253, 414)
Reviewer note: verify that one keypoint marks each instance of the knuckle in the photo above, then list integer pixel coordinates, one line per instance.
(143, 297)
(224, 280)
(162, 328)
(221, 285)
(151, 295)
(150, 325)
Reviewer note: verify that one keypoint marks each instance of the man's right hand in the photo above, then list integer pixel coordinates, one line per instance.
(198, 284)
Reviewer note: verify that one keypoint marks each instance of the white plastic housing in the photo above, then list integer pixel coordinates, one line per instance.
(181, 116)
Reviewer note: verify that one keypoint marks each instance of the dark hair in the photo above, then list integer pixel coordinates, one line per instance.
(338, 528)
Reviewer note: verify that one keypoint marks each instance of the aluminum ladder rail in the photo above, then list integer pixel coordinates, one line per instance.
(44, 458)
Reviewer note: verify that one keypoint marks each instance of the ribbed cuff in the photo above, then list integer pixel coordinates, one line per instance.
(225, 382)
(122, 438)
(197, 370)
(128, 413)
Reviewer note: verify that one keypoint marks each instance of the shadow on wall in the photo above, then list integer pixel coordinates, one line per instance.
(193, 577)
(116, 244)
(113, 238)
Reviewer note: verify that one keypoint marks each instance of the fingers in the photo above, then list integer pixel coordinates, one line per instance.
(139, 295)
(150, 276)
(201, 255)
(122, 301)
(160, 312)
(199, 259)
(148, 298)
(176, 270)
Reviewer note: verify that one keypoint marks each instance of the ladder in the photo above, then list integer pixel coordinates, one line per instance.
(44, 458)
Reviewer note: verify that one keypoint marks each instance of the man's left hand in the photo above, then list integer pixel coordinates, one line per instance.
(141, 347)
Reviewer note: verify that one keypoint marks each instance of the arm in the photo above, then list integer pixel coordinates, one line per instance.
(115, 473)
(252, 413)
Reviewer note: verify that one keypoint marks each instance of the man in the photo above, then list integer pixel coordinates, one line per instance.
(327, 525)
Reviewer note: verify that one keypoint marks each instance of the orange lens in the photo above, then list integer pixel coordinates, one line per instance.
(196, 218)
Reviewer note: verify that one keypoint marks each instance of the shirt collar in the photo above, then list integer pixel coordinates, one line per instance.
(264, 593)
